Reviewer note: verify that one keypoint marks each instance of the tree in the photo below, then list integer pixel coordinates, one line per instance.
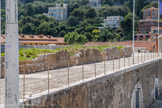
(106, 35)
(74, 37)
(72, 21)
(140, 4)
(28, 28)
(79, 13)
(62, 33)
(29, 9)
(43, 28)
(91, 13)
(95, 36)
(127, 25)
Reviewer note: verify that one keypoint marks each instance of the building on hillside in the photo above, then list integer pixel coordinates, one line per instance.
(150, 13)
(60, 12)
(113, 21)
(144, 26)
(154, 37)
(142, 37)
(95, 3)
(154, 32)
(37, 40)
(150, 19)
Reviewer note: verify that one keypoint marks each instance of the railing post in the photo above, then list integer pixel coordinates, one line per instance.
(124, 61)
(95, 67)
(105, 65)
(128, 61)
(48, 79)
(147, 56)
(82, 69)
(138, 57)
(68, 74)
(113, 63)
(156, 55)
(24, 84)
(119, 63)
(144, 54)
(141, 56)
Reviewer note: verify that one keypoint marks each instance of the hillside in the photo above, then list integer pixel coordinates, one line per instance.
(83, 23)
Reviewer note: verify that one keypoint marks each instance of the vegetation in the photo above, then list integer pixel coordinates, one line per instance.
(74, 37)
(82, 21)
(29, 54)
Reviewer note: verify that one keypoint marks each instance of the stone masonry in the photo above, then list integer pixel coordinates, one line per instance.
(63, 59)
(114, 90)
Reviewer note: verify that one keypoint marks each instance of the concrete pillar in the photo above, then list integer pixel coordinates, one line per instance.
(11, 55)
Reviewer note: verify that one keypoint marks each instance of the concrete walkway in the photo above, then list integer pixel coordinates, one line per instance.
(157, 103)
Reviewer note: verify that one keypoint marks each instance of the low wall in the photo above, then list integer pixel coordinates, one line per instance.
(115, 90)
(63, 59)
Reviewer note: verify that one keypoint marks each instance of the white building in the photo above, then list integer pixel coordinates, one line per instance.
(59, 12)
(113, 21)
(95, 3)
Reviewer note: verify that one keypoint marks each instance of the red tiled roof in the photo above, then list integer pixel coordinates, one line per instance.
(37, 39)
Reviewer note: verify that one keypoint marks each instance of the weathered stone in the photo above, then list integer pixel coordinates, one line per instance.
(126, 52)
(62, 59)
(87, 56)
(111, 53)
(41, 63)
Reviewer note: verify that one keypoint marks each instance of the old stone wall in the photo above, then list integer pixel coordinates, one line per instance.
(63, 59)
(87, 56)
(114, 90)
(114, 53)
(54, 61)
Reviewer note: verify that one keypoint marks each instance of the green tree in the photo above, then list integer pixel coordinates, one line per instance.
(79, 13)
(62, 33)
(74, 37)
(95, 36)
(72, 21)
(28, 28)
(43, 28)
(29, 9)
(91, 13)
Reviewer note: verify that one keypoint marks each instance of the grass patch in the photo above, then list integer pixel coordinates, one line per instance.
(29, 54)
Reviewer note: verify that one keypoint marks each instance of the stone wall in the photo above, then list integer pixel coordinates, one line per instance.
(63, 59)
(114, 53)
(115, 90)
(87, 56)
(54, 61)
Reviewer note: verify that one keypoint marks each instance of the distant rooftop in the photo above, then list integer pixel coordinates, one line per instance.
(38, 40)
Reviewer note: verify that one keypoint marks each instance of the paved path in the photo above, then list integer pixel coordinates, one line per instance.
(38, 82)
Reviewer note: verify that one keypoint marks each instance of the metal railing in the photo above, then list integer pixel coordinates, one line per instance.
(35, 83)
